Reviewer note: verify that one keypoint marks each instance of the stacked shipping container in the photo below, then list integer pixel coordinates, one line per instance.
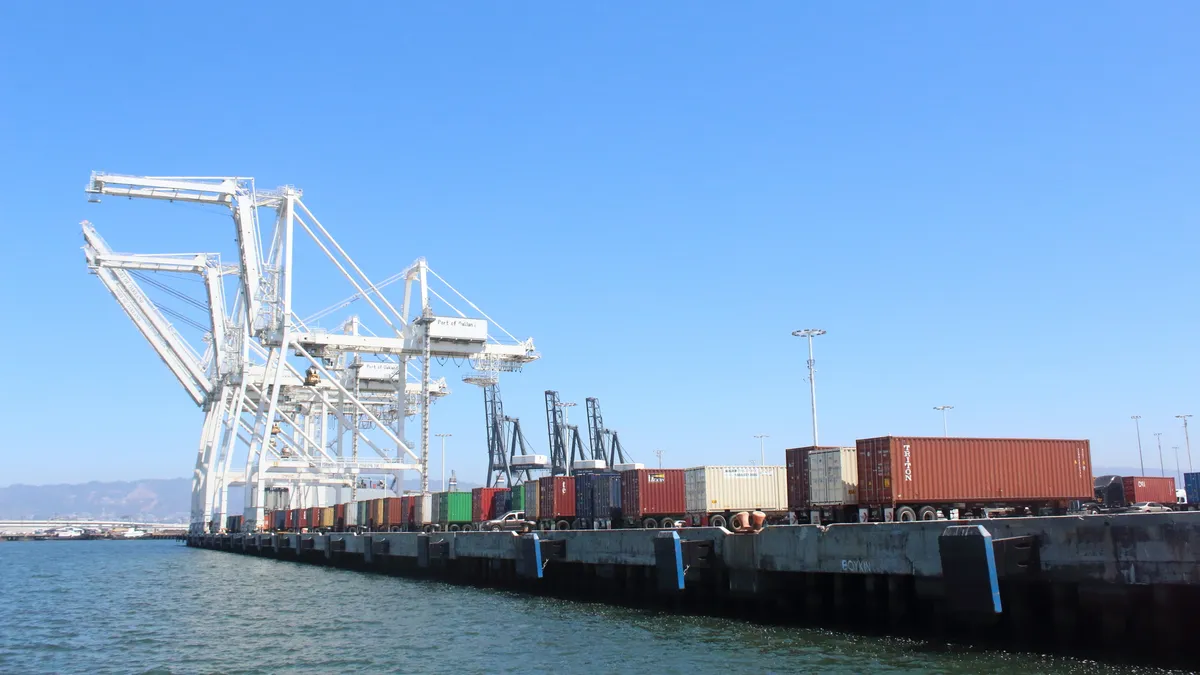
(1191, 486)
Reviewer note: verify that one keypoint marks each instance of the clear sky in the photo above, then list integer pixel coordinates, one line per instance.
(989, 205)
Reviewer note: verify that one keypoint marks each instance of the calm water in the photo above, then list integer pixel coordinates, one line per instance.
(159, 607)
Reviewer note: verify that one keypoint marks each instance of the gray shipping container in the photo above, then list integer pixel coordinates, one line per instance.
(833, 477)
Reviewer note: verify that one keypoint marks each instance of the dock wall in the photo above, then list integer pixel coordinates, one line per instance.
(1121, 587)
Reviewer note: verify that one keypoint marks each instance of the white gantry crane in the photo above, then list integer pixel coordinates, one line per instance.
(288, 404)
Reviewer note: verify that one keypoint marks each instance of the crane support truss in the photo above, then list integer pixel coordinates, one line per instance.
(266, 423)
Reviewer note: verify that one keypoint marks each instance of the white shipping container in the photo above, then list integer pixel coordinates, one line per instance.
(713, 489)
(351, 515)
(833, 477)
(423, 510)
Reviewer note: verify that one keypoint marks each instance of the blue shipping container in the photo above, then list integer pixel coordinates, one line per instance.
(584, 484)
(606, 496)
(501, 503)
(280, 519)
(1191, 485)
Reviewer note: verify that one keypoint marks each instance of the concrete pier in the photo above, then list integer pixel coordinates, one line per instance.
(1120, 588)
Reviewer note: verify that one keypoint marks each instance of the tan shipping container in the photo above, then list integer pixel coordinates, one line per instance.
(833, 476)
(714, 489)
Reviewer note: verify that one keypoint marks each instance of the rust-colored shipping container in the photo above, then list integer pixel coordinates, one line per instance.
(410, 509)
(339, 517)
(393, 513)
(652, 492)
(314, 517)
(289, 519)
(557, 498)
(376, 513)
(483, 503)
(1149, 489)
(987, 471)
(301, 519)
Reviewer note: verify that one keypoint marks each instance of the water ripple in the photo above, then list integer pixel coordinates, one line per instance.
(158, 608)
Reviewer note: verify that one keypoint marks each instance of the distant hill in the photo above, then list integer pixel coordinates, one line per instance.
(152, 500)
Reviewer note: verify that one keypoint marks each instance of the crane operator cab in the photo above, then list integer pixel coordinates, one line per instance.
(312, 377)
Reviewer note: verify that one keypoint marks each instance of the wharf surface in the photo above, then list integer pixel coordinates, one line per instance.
(1110, 587)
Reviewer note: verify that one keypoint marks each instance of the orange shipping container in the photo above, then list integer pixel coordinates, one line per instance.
(912, 470)
(393, 513)
(1149, 489)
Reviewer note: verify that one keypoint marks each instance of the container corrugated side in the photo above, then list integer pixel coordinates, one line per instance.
(501, 502)
(652, 492)
(517, 498)
(393, 512)
(796, 460)
(932, 470)
(327, 517)
(456, 508)
(1191, 485)
(377, 514)
(281, 519)
(351, 516)
(438, 502)
(606, 496)
(422, 510)
(1149, 489)
(532, 490)
(833, 476)
(712, 489)
(482, 503)
(557, 498)
(584, 483)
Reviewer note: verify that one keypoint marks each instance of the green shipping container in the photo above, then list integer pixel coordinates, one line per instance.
(518, 499)
(454, 507)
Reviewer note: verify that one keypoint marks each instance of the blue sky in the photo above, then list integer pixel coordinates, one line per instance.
(986, 205)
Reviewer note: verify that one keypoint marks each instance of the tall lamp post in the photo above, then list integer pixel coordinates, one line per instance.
(1138, 426)
(810, 333)
(944, 408)
(1162, 468)
(1187, 440)
(443, 437)
(659, 454)
(761, 453)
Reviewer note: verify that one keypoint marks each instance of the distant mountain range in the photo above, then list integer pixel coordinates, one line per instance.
(152, 500)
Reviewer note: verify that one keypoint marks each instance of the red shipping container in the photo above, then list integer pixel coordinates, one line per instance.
(314, 516)
(289, 520)
(913, 470)
(393, 511)
(339, 517)
(556, 498)
(652, 492)
(482, 503)
(410, 511)
(301, 519)
(1149, 489)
